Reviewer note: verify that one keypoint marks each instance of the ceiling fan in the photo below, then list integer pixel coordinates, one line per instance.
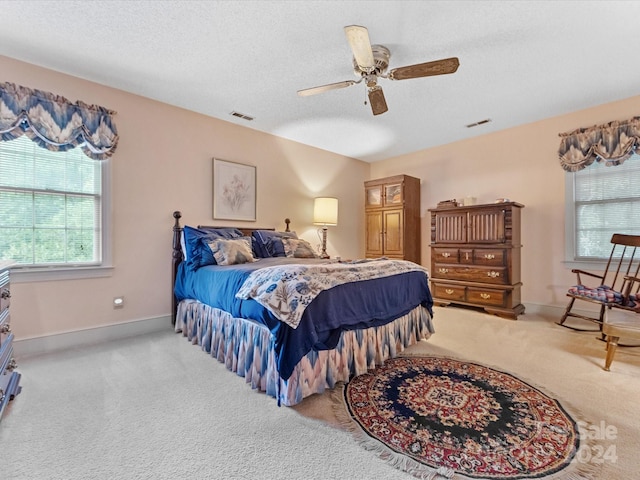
(370, 62)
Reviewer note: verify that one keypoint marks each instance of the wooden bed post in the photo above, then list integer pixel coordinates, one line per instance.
(287, 222)
(176, 259)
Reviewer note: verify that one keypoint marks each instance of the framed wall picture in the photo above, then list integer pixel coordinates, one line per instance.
(234, 191)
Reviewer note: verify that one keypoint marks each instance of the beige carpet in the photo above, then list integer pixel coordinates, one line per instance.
(127, 410)
(564, 363)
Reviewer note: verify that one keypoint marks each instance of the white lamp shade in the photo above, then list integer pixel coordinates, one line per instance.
(325, 211)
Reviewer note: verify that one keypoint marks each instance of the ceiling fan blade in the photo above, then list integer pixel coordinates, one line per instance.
(377, 101)
(428, 69)
(323, 88)
(358, 38)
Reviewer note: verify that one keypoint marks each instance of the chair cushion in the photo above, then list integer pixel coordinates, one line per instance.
(604, 294)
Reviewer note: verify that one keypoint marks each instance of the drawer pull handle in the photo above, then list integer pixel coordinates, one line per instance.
(6, 293)
(493, 274)
(443, 270)
(6, 328)
(449, 291)
(12, 365)
(446, 254)
(489, 256)
(486, 296)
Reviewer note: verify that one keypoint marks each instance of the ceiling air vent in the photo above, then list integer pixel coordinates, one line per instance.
(242, 116)
(481, 122)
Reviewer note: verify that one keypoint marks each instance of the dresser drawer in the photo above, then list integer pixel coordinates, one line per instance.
(5, 292)
(494, 275)
(450, 292)
(487, 256)
(466, 256)
(486, 296)
(6, 350)
(445, 255)
(5, 327)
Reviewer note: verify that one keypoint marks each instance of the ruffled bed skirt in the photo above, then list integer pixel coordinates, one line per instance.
(246, 348)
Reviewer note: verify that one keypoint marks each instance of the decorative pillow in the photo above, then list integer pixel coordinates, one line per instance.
(196, 249)
(299, 248)
(232, 252)
(269, 242)
(256, 248)
(275, 247)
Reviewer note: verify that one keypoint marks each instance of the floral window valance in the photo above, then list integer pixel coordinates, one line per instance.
(53, 122)
(611, 143)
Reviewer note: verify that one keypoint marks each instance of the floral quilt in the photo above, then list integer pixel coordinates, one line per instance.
(286, 290)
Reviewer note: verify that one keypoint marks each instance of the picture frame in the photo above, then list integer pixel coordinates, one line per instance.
(234, 191)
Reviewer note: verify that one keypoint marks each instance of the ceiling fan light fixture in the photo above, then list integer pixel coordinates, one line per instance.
(371, 80)
(381, 56)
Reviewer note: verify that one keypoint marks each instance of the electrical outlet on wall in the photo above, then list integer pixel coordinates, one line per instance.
(118, 302)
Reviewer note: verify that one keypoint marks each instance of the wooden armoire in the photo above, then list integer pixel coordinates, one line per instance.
(392, 210)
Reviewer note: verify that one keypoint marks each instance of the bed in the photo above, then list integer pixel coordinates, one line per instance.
(292, 324)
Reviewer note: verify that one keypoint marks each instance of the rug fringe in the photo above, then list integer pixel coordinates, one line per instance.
(395, 459)
(577, 470)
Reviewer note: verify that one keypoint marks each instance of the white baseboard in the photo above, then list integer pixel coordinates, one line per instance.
(80, 338)
(549, 311)
(555, 312)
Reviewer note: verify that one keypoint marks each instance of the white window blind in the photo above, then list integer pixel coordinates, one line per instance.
(606, 200)
(50, 206)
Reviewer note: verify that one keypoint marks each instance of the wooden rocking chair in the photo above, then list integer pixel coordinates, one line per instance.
(617, 287)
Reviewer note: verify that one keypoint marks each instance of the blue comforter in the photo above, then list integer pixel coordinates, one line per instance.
(344, 307)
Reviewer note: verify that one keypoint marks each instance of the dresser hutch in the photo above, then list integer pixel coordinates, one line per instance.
(475, 257)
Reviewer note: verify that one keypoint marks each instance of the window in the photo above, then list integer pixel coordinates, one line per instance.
(601, 201)
(51, 207)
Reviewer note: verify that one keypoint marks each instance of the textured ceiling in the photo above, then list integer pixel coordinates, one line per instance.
(520, 61)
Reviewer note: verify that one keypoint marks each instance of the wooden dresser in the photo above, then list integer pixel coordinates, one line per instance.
(475, 257)
(9, 378)
(392, 210)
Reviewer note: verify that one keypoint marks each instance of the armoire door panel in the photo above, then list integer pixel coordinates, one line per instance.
(374, 234)
(393, 195)
(393, 232)
(373, 196)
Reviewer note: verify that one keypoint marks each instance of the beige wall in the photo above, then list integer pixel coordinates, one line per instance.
(520, 164)
(164, 163)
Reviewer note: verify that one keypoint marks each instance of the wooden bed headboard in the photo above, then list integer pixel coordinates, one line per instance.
(176, 257)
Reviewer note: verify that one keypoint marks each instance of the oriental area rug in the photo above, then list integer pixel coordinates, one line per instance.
(437, 417)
